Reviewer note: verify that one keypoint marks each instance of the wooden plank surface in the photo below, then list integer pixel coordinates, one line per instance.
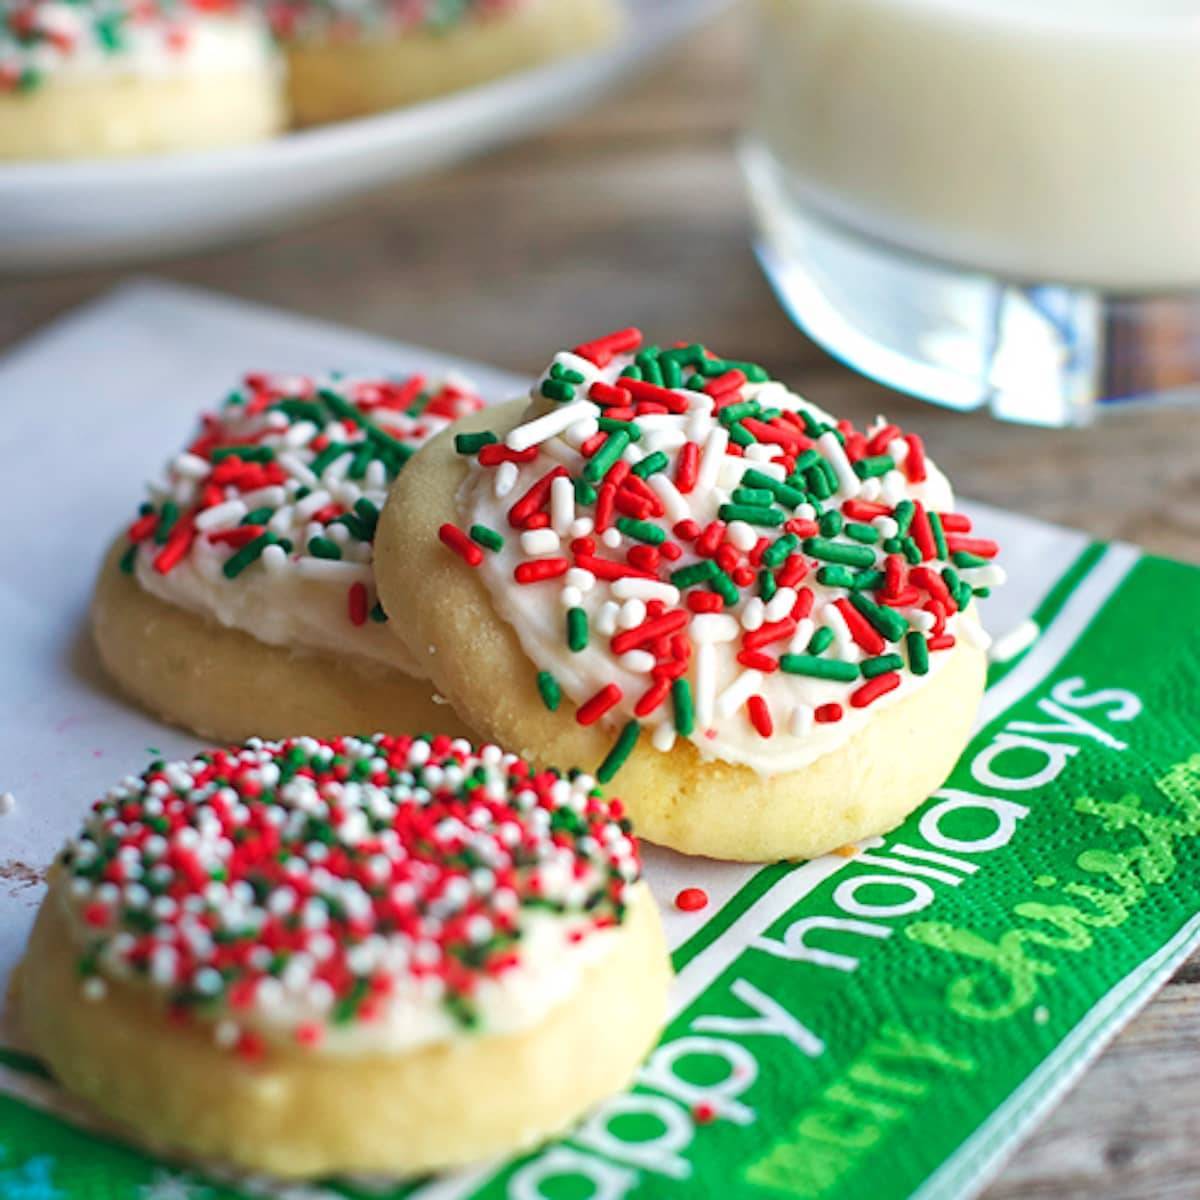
(635, 213)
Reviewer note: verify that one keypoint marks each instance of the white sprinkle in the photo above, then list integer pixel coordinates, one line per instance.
(759, 453)
(706, 678)
(283, 519)
(94, 989)
(707, 628)
(606, 618)
(753, 613)
(849, 484)
(579, 433)
(221, 516)
(842, 640)
(8, 802)
(633, 613)
(540, 541)
(677, 507)
(582, 526)
(802, 636)
(663, 737)
(781, 604)
(543, 428)
(897, 450)
(505, 479)
(662, 439)
(562, 505)
(581, 580)
(993, 575)
(887, 527)
(975, 633)
(631, 587)
(333, 570)
(640, 662)
(300, 434)
(710, 460)
(611, 538)
(741, 534)
(806, 512)
(191, 466)
(296, 469)
(1016, 641)
(895, 487)
(871, 490)
(312, 503)
(921, 620)
(226, 1034)
(272, 496)
(738, 692)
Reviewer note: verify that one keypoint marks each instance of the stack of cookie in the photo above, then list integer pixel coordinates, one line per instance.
(94, 78)
(333, 949)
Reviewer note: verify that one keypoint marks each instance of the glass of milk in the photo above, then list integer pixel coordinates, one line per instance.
(986, 202)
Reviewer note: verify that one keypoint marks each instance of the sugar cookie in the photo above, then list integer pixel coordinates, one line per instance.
(96, 78)
(384, 955)
(241, 601)
(671, 565)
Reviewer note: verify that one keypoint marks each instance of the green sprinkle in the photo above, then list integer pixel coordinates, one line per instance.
(767, 587)
(577, 629)
(869, 468)
(558, 390)
(755, 497)
(818, 483)
(651, 465)
(739, 435)
(606, 457)
(862, 533)
(839, 552)
(835, 577)
(777, 552)
(643, 531)
(549, 690)
(329, 456)
(725, 588)
(751, 515)
(258, 516)
(633, 371)
(964, 558)
(259, 454)
(911, 551)
(363, 458)
(251, 552)
(887, 621)
(918, 653)
(790, 497)
(585, 494)
(672, 373)
(939, 536)
(558, 371)
(377, 614)
(167, 516)
(610, 425)
(700, 572)
(622, 749)
(807, 460)
(323, 547)
(735, 412)
(685, 709)
(819, 668)
(903, 514)
(487, 537)
(831, 523)
(821, 640)
(881, 665)
(472, 443)
(868, 581)
(127, 559)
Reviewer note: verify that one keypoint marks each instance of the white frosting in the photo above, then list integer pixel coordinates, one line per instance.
(537, 612)
(182, 41)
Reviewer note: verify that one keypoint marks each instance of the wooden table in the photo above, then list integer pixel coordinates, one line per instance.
(636, 213)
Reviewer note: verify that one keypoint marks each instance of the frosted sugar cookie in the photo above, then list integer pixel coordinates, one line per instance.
(385, 955)
(347, 58)
(242, 599)
(94, 78)
(671, 565)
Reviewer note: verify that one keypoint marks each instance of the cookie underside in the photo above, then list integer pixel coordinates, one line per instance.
(224, 684)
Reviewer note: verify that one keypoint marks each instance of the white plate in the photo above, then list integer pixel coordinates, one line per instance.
(55, 215)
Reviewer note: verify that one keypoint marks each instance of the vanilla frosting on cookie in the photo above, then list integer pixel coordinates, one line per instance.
(266, 522)
(685, 547)
(355, 896)
(70, 40)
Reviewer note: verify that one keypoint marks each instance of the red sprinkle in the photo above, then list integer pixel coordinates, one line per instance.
(827, 714)
(914, 463)
(874, 688)
(603, 701)
(861, 630)
(603, 350)
(540, 569)
(356, 602)
(456, 540)
(760, 716)
(691, 899)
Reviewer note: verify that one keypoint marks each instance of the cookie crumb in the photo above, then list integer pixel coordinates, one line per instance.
(846, 851)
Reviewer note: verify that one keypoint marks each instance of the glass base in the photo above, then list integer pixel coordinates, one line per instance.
(1045, 354)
